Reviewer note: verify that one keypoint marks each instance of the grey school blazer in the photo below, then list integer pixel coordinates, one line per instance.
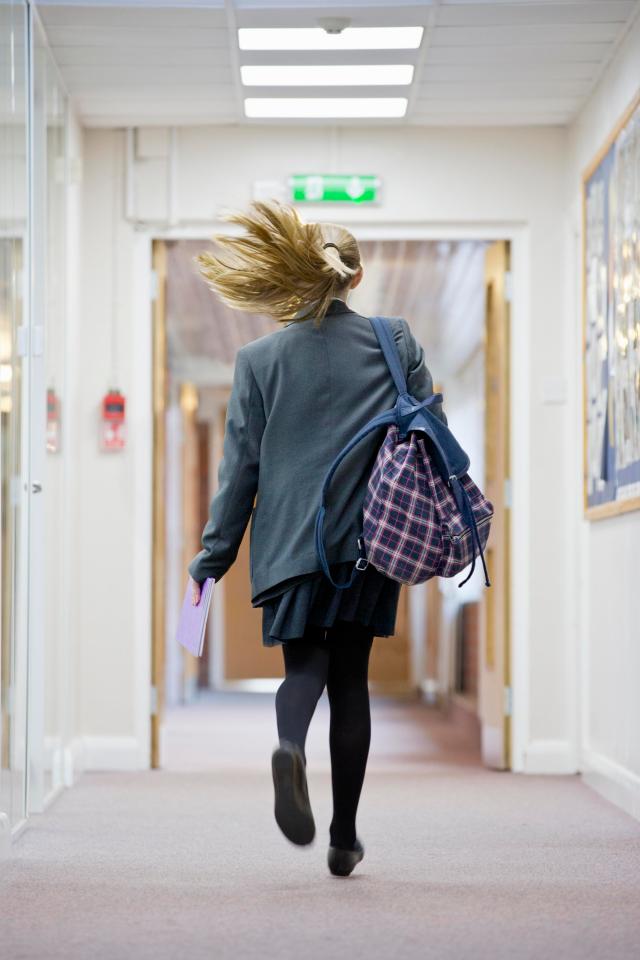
(298, 397)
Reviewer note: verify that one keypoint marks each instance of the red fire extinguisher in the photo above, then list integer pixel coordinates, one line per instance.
(113, 426)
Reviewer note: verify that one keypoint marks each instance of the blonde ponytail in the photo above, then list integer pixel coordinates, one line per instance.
(281, 266)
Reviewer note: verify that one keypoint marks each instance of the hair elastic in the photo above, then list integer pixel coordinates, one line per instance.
(325, 245)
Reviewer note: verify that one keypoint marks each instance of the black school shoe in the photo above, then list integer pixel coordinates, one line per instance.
(292, 808)
(341, 862)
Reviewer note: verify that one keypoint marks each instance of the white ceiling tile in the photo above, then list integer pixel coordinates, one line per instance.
(517, 36)
(497, 105)
(138, 37)
(142, 119)
(139, 4)
(154, 108)
(522, 14)
(511, 3)
(478, 118)
(521, 53)
(158, 92)
(127, 15)
(454, 73)
(179, 76)
(114, 55)
(529, 89)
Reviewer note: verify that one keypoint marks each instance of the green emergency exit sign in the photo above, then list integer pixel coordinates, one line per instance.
(334, 188)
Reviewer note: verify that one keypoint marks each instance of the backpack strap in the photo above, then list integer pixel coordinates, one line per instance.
(383, 419)
(384, 334)
(382, 330)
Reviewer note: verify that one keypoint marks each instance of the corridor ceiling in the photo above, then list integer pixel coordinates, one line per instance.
(504, 62)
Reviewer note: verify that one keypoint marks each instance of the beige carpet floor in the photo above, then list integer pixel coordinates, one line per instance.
(460, 862)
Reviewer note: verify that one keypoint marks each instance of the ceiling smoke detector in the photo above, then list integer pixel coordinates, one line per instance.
(334, 25)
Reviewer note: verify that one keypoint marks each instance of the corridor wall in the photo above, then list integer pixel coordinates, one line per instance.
(508, 181)
(579, 634)
(607, 604)
(113, 652)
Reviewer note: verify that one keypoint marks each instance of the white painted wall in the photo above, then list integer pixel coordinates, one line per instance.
(606, 614)
(576, 639)
(508, 180)
(112, 691)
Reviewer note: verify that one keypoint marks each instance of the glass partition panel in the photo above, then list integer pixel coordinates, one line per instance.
(49, 670)
(13, 411)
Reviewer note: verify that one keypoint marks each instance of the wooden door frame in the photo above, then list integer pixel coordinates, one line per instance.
(494, 657)
(520, 528)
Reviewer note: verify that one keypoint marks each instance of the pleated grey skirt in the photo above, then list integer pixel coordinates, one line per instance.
(311, 600)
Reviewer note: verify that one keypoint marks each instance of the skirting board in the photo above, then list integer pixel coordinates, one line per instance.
(613, 782)
(114, 753)
(550, 756)
(73, 761)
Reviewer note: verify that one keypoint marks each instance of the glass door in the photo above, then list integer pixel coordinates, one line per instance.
(49, 660)
(14, 412)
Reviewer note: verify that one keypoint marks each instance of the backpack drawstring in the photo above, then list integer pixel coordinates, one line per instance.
(464, 506)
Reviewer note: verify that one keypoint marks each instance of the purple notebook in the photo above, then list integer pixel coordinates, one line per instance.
(193, 619)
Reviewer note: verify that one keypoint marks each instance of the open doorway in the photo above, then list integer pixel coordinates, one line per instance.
(451, 647)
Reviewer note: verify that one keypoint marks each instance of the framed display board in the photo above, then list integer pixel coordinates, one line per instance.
(611, 322)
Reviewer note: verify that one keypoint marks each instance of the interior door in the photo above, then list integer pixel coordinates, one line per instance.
(390, 663)
(14, 527)
(495, 687)
(245, 658)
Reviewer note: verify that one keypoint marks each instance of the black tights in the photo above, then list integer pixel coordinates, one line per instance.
(341, 661)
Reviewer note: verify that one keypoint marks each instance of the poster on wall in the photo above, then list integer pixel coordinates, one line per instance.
(611, 304)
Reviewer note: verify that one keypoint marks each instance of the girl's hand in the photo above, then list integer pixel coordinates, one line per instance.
(195, 592)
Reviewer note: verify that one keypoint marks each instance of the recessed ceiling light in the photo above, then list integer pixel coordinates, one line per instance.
(324, 107)
(338, 75)
(315, 38)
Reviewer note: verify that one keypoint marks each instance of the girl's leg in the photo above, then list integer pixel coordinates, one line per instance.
(350, 725)
(306, 666)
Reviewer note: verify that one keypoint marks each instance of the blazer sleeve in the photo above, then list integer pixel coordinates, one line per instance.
(232, 503)
(419, 379)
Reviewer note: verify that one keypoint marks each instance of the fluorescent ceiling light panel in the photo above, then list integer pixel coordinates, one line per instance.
(324, 107)
(315, 38)
(339, 75)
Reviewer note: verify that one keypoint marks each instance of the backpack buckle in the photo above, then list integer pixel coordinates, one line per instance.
(361, 563)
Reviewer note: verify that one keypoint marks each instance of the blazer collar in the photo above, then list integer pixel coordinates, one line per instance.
(335, 308)
(338, 306)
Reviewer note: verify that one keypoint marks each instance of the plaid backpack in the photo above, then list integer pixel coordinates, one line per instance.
(423, 516)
